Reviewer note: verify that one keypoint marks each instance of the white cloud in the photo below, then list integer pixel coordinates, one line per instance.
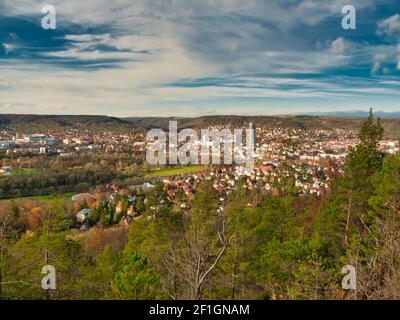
(339, 46)
(384, 56)
(186, 40)
(129, 13)
(8, 47)
(390, 26)
(88, 55)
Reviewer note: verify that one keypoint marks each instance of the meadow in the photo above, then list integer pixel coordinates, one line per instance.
(174, 171)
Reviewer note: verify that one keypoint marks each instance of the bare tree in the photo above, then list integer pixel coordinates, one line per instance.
(202, 254)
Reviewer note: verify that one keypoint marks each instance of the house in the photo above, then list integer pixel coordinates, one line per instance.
(145, 187)
(83, 215)
(81, 197)
(7, 144)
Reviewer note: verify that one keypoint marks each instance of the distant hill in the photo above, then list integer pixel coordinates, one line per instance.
(205, 121)
(391, 125)
(32, 123)
(355, 113)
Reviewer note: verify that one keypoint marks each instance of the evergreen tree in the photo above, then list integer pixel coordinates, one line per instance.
(378, 268)
(345, 210)
(136, 280)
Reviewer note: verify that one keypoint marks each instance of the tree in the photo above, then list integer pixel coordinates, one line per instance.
(347, 205)
(49, 244)
(136, 280)
(204, 241)
(378, 268)
(11, 227)
(156, 236)
(6, 232)
(231, 268)
(97, 276)
(362, 164)
(313, 279)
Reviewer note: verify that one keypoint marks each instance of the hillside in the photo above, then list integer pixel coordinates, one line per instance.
(392, 126)
(30, 123)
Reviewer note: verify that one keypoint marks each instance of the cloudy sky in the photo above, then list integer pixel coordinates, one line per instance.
(198, 57)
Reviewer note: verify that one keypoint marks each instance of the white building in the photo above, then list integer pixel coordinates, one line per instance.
(83, 215)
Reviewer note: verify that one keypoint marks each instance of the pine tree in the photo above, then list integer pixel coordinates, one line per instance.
(379, 267)
(136, 280)
(346, 207)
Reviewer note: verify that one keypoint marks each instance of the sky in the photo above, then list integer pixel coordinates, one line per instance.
(198, 57)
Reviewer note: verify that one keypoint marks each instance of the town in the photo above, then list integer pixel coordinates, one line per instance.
(309, 159)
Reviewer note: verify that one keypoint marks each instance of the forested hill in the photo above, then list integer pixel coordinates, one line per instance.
(392, 126)
(45, 122)
(60, 122)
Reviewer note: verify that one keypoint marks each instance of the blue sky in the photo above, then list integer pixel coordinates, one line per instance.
(198, 57)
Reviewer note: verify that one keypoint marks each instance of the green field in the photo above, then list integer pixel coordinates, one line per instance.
(18, 172)
(47, 197)
(174, 171)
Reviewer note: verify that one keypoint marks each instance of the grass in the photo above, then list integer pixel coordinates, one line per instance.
(45, 198)
(19, 172)
(50, 197)
(174, 171)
